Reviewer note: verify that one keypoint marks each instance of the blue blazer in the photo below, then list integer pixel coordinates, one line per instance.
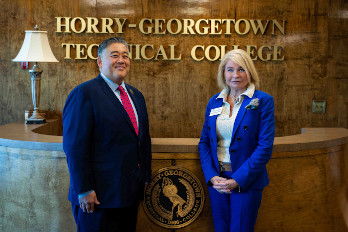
(251, 144)
(103, 150)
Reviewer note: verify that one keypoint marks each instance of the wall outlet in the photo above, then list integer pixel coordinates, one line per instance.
(319, 106)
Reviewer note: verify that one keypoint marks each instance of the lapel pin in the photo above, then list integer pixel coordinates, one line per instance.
(253, 104)
(131, 91)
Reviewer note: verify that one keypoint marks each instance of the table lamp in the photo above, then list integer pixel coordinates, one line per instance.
(35, 48)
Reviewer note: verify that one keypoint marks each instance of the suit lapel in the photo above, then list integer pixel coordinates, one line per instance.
(218, 103)
(112, 97)
(241, 114)
(212, 124)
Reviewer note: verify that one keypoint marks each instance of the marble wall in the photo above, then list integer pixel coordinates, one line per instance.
(34, 191)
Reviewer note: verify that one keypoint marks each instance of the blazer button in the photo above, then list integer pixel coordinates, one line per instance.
(211, 140)
(208, 127)
(245, 127)
(239, 138)
(233, 151)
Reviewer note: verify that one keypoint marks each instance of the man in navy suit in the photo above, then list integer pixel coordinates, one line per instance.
(107, 143)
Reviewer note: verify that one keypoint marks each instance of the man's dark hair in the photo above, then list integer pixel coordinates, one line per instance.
(105, 43)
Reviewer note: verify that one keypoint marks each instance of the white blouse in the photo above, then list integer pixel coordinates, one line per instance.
(225, 123)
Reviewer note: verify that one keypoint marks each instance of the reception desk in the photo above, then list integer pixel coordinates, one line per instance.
(307, 192)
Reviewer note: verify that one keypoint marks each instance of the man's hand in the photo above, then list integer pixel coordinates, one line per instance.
(87, 202)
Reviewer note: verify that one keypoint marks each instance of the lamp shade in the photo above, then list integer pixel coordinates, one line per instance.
(35, 48)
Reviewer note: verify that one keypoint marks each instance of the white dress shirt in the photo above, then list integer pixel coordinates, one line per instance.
(225, 123)
(113, 86)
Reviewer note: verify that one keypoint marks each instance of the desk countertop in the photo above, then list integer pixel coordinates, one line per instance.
(20, 135)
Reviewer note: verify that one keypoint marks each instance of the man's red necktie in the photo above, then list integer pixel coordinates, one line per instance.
(128, 107)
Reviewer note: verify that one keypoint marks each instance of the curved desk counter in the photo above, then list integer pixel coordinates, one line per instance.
(307, 191)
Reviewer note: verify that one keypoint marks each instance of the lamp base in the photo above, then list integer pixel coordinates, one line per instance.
(33, 117)
(35, 121)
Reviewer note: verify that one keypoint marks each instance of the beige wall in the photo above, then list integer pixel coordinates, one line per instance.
(315, 65)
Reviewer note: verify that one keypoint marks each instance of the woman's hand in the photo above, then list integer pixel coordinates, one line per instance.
(217, 179)
(231, 184)
(223, 185)
(218, 183)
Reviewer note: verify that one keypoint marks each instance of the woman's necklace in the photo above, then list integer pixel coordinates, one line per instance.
(235, 99)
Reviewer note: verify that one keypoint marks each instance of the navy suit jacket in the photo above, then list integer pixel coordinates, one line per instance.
(103, 151)
(251, 144)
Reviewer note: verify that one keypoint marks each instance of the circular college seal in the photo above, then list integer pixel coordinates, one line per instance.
(174, 197)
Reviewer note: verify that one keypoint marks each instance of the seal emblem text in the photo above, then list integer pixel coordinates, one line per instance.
(174, 197)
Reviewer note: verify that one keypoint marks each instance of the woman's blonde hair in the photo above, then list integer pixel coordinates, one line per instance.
(242, 58)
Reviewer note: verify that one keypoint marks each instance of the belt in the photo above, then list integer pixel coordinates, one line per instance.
(224, 167)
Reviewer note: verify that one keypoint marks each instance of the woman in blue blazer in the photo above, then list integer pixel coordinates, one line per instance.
(236, 144)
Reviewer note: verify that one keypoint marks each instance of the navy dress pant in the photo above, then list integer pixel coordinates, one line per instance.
(106, 220)
(235, 212)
